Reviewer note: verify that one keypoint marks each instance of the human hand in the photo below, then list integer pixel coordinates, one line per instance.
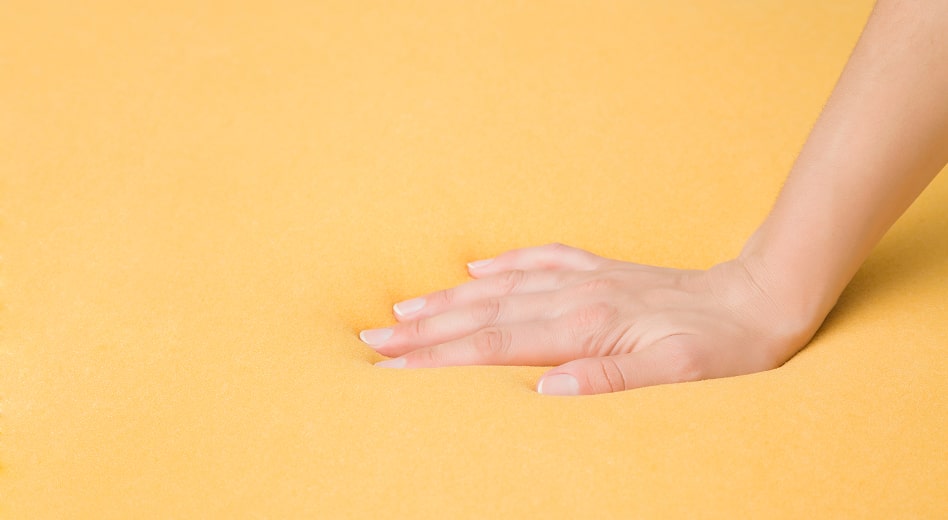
(610, 325)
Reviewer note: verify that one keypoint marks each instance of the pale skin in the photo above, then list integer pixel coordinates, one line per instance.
(611, 325)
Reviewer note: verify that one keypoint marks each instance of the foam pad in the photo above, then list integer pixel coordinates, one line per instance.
(203, 204)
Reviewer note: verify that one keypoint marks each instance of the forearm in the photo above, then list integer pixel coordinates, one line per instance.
(882, 137)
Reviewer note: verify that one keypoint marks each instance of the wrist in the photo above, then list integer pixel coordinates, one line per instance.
(803, 289)
(779, 325)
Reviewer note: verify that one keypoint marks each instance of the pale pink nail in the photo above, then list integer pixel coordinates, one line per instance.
(479, 263)
(392, 363)
(559, 384)
(376, 336)
(409, 306)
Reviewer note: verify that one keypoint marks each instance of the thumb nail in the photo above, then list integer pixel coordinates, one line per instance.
(559, 384)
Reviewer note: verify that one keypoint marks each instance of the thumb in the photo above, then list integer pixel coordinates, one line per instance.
(656, 365)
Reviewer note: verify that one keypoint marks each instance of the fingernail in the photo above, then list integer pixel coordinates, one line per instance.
(409, 306)
(560, 384)
(376, 336)
(479, 263)
(392, 363)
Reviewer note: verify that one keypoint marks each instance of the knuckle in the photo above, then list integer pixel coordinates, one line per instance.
(593, 316)
(510, 281)
(597, 285)
(577, 258)
(686, 365)
(425, 357)
(561, 279)
(491, 343)
(613, 379)
(418, 328)
(588, 328)
(488, 311)
(447, 297)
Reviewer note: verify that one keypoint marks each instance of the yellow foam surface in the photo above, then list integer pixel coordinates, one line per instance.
(202, 203)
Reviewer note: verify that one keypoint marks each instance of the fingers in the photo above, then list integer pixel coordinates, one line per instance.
(526, 270)
(671, 362)
(550, 256)
(534, 343)
(501, 284)
(467, 319)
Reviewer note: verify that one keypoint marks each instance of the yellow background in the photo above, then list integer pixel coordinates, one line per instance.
(204, 202)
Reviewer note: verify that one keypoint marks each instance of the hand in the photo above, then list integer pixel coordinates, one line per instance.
(610, 325)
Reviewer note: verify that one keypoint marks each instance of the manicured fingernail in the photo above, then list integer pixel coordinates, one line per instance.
(409, 306)
(560, 384)
(392, 363)
(376, 336)
(479, 263)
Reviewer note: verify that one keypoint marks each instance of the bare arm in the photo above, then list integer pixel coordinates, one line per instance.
(882, 137)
